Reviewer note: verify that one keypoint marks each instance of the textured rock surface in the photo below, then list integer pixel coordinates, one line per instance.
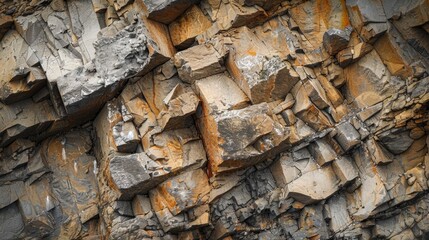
(214, 119)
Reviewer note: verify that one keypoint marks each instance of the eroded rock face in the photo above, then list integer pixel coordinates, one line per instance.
(212, 119)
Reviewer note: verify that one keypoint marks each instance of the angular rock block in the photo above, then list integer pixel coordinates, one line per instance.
(290, 166)
(235, 14)
(82, 91)
(322, 152)
(180, 193)
(368, 18)
(335, 40)
(344, 169)
(181, 103)
(126, 137)
(19, 79)
(135, 173)
(262, 76)
(227, 97)
(352, 54)
(166, 11)
(347, 136)
(313, 19)
(124, 55)
(188, 26)
(167, 153)
(198, 62)
(141, 205)
(378, 153)
(397, 54)
(25, 118)
(323, 184)
(370, 80)
(306, 110)
(239, 138)
(157, 84)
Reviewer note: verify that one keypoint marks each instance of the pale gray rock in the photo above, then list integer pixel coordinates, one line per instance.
(344, 169)
(396, 141)
(347, 136)
(85, 26)
(322, 152)
(11, 193)
(126, 137)
(323, 184)
(11, 222)
(134, 173)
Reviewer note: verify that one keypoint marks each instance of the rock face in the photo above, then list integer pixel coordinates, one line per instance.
(232, 119)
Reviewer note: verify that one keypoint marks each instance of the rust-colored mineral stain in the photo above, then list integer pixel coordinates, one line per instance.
(251, 52)
(324, 10)
(345, 16)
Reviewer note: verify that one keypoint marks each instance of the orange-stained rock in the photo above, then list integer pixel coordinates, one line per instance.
(261, 74)
(19, 79)
(238, 138)
(315, 17)
(180, 193)
(307, 111)
(367, 80)
(198, 62)
(181, 103)
(189, 25)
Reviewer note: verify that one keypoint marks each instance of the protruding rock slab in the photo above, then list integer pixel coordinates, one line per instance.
(368, 18)
(335, 40)
(198, 62)
(314, 186)
(16, 82)
(347, 136)
(227, 97)
(166, 11)
(239, 138)
(264, 77)
(188, 26)
(132, 174)
(25, 118)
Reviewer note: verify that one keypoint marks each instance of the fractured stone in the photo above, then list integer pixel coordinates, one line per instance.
(198, 62)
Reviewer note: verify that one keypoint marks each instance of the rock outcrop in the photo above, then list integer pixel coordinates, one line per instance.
(210, 119)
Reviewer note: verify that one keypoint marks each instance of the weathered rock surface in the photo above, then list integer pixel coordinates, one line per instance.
(232, 119)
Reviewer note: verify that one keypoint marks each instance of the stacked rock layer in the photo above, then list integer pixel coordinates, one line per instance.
(214, 119)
